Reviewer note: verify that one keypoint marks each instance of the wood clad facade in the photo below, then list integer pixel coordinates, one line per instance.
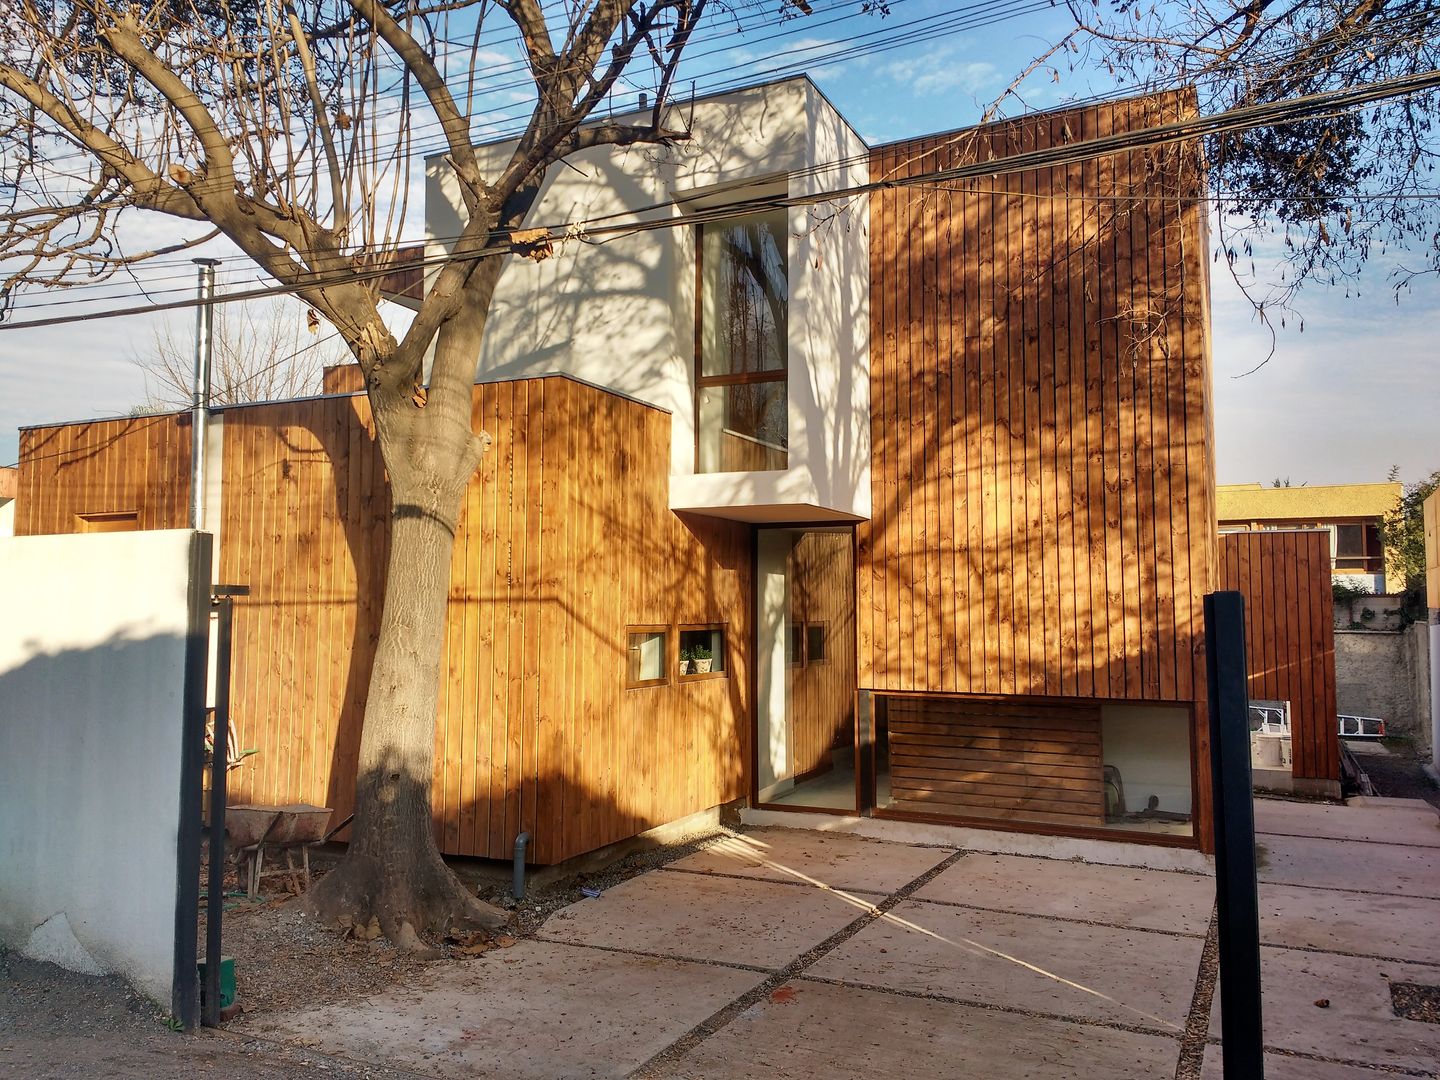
(125, 474)
(1042, 474)
(1290, 635)
(566, 538)
(1026, 761)
(1042, 531)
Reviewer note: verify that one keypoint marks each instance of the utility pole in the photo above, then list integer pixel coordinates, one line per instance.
(200, 399)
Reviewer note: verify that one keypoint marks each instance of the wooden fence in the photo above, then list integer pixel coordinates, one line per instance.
(1290, 635)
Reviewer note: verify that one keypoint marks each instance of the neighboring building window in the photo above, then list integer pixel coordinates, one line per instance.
(647, 649)
(742, 406)
(1357, 547)
(702, 651)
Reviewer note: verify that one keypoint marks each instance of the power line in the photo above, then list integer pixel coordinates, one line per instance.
(1325, 103)
(93, 298)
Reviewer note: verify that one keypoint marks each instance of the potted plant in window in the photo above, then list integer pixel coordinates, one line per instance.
(686, 659)
(700, 659)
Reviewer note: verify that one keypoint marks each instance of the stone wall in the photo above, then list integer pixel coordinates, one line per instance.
(1386, 673)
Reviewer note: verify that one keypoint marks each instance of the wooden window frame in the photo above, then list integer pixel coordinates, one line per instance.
(667, 664)
(105, 521)
(747, 378)
(724, 629)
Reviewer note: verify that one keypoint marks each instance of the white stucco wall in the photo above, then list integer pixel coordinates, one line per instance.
(92, 667)
(621, 313)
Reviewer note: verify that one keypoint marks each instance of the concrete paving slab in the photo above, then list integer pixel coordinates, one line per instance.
(689, 916)
(536, 1010)
(1118, 896)
(1382, 869)
(1282, 1067)
(1414, 823)
(833, 859)
(813, 1031)
(1358, 1024)
(1023, 962)
(1367, 923)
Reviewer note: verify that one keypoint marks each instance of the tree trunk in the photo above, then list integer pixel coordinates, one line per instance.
(393, 870)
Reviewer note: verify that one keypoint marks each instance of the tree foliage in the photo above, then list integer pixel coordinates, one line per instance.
(1325, 186)
(1403, 532)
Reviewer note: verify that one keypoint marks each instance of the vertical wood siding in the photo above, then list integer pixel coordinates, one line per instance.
(137, 464)
(566, 538)
(1290, 635)
(1040, 418)
(1043, 512)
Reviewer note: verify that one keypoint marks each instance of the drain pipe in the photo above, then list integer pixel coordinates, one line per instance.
(517, 885)
(200, 400)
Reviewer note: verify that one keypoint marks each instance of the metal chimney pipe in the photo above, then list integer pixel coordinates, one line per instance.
(200, 398)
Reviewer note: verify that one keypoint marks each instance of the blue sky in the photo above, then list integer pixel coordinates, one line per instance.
(1354, 394)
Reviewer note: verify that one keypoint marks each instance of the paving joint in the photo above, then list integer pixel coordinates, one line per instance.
(792, 882)
(1376, 1066)
(1197, 1021)
(1341, 889)
(733, 965)
(990, 1006)
(1057, 918)
(723, 1017)
(1349, 840)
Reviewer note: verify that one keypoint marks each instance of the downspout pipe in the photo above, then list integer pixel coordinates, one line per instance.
(517, 884)
(200, 395)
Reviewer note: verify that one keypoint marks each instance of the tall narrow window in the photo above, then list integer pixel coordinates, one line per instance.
(741, 399)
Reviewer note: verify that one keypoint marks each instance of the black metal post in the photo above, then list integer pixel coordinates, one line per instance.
(1236, 891)
(185, 991)
(219, 768)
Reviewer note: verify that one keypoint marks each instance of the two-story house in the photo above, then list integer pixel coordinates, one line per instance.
(895, 502)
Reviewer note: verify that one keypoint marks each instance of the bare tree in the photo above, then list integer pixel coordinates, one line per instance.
(262, 351)
(287, 127)
(1329, 187)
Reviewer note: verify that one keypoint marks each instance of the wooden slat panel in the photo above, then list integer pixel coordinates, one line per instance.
(1290, 635)
(1048, 764)
(136, 465)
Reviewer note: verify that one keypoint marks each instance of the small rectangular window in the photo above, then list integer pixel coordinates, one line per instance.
(702, 651)
(647, 649)
(795, 644)
(815, 644)
(117, 521)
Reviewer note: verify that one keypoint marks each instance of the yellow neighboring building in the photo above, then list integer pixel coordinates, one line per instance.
(1351, 513)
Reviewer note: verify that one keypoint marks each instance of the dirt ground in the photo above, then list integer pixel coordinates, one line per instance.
(55, 1023)
(1400, 773)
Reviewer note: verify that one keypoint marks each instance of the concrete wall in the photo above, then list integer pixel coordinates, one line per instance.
(93, 655)
(621, 314)
(1386, 674)
(1384, 609)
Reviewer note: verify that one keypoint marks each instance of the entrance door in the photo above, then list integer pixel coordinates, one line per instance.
(805, 652)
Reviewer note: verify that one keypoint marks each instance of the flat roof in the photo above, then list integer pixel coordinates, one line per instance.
(1321, 502)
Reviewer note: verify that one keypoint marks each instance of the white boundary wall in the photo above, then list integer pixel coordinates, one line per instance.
(93, 661)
